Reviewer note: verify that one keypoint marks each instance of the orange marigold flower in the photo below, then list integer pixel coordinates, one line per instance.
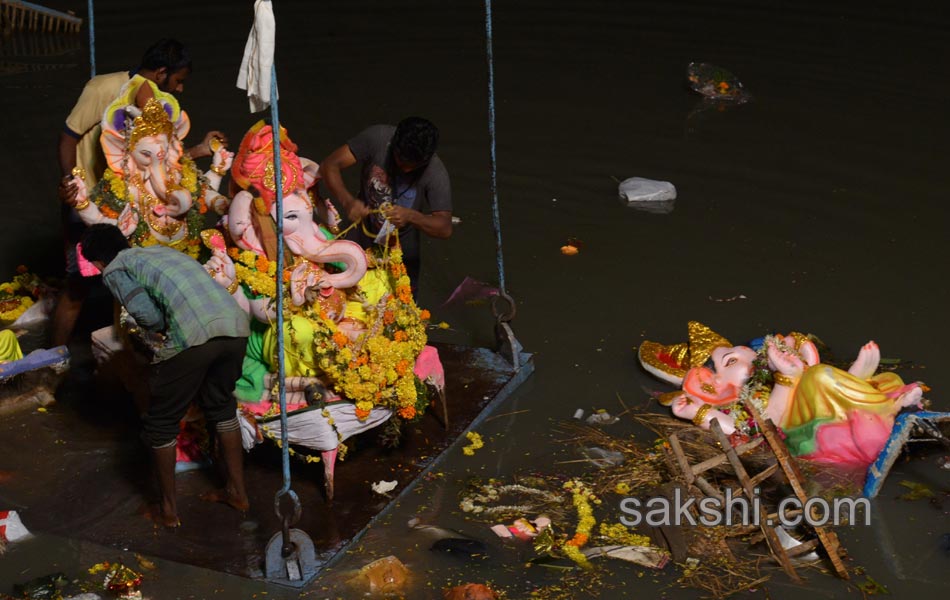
(407, 412)
(389, 317)
(578, 540)
(362, 360)
(21, 269)
(402, 367)
(340, 339)
(404, 293)
(361, 414)
(234, 253)
(262, 264)
(286, 275)
(425, 315)
(400, 336)
(108, 212)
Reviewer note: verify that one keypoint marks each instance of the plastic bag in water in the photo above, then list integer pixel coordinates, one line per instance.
(715, 83)
(638, 189)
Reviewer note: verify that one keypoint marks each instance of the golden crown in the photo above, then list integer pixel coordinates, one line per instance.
(153, 121)
(702, 341)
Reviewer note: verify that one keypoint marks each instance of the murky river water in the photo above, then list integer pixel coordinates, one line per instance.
(820, 206)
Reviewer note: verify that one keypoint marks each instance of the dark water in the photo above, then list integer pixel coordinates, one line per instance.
(822, 202)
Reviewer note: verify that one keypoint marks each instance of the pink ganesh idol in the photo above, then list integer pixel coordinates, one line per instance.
(828, 415)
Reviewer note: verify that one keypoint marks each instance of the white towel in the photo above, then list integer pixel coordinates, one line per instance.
(255, 74)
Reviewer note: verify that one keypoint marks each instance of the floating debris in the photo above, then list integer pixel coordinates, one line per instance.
(639, 189)
(716, 83)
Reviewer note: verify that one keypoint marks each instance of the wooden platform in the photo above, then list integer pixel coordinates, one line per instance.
(79, 471)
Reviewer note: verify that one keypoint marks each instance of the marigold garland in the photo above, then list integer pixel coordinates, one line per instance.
(582, 499)
(479, 503)
(375, 369)
(256, 272)
(17, 295)
(111, 196)
(476, 443)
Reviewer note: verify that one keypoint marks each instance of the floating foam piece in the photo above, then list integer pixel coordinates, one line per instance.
(638, 189)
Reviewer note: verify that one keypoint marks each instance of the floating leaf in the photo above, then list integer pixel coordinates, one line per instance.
(872, 587)
(917, 491)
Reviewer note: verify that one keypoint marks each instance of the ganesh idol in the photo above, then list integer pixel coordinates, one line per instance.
(351, 327)
(151, 190)
(828, 415)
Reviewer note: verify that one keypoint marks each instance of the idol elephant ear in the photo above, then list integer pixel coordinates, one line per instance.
(113, 147)
(702, 384)
(311, 172)
(182, 124)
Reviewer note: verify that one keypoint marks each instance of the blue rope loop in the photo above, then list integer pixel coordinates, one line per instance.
(293, 519)
(496, 216)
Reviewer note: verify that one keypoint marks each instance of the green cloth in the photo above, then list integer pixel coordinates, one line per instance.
(169, 292)
(803, 440)
(250, 387)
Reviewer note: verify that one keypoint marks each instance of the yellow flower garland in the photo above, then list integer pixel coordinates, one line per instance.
(376, 369)
(582, 498)
(16, 296)
(255, 271)
(476, 443)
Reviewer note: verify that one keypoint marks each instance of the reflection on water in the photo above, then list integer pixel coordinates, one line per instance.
(823, 202)
(661, 207)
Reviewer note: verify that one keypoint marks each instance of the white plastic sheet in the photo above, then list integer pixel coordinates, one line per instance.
(639, 189)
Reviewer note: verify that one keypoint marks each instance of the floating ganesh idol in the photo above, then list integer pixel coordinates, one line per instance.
(828, 415)
(151, 190)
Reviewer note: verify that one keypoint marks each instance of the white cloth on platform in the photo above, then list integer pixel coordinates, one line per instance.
(255, 73)
(312, 430)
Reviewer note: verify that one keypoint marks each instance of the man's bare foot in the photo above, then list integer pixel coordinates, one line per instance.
(235, 501)
(867, 362)
(156, 515)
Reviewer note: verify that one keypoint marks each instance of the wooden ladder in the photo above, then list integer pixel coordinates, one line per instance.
(693, 474)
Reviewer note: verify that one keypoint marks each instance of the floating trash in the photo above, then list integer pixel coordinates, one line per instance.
(383, 487)
(601, 417)
(716, 83)
(639, 189)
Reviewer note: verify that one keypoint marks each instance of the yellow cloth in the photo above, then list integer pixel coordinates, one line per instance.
(299, 349)
(9, 347)
(299, 354)
(832, 394)
(85, 119)
(373, 286)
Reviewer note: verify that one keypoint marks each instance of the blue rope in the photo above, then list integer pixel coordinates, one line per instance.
(92, 41)
(278, 180)
(496, 216)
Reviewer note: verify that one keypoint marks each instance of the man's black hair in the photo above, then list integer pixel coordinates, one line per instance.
(167, 53)
(102, 242)
(415, 140)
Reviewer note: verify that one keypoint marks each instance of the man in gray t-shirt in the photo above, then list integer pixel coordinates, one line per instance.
(401, 174)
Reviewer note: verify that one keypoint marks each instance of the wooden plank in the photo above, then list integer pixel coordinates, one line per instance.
(691, 479)
(768, 472)
(802, 548)
(715, 461)
(829, 539)
(775, 545)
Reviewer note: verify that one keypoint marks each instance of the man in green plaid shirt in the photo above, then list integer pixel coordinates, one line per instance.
(204, 333)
